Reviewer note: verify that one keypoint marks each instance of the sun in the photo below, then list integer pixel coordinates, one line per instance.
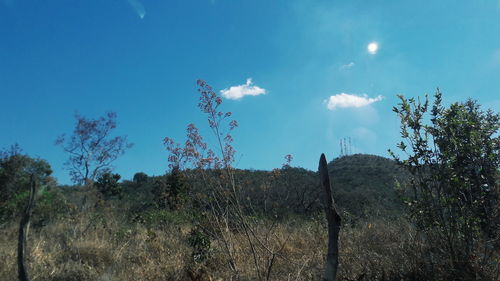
(372, 48)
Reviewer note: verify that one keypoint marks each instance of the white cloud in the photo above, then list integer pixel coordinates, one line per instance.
(138, 7)
(238, 92)
(372, 48)
(344, 100)
(347, 66)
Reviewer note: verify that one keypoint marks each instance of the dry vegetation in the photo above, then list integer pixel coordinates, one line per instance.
(103, 245)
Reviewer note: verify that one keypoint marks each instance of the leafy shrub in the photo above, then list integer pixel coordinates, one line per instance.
(161, 217)
(51, 204)
(200, 241)
(140, 178)
(14, 205)
(171, 191)
(16, 170)
(453, 192)
(108, 185)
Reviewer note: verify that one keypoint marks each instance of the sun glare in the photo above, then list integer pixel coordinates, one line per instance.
(372, 48)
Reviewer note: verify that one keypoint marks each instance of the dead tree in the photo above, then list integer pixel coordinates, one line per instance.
(333, 218)
(23, 232)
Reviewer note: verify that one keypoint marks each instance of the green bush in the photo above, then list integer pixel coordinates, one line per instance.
(16, 171)
(14, 205)
(453, 160)
(161, 218)
(201, 243)
(108, 185)
(51, 204)
(140, 178)
(171, 190)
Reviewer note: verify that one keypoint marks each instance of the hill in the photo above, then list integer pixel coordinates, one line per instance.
(363, 185)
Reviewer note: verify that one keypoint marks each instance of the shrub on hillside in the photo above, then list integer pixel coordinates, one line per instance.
(453, 193)
(16, 170)
(108, 185)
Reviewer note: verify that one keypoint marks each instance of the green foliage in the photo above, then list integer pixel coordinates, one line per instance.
(108, 185)
(123, 233)
(453, 157)
(51, 204)
(140, 178)
(201, 243)
(171, 191)
(162, 218)
(15, 172)
(14, 205)
(363, 186)
(160, 192)
(137, 195)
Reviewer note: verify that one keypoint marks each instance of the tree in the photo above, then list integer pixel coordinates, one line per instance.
(108, 185)
(16, 170)
(140, 178)
(171, 190)
(91, 147)
(454, 162)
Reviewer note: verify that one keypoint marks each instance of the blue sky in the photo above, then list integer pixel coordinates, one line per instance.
(313, 78)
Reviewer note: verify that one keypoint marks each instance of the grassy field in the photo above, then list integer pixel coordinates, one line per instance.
(102, 244)
(278, 233)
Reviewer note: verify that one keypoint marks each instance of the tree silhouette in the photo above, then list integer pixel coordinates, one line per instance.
(91, 148)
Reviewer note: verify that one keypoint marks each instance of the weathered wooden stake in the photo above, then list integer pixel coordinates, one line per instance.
(23, 232)
(333, 218)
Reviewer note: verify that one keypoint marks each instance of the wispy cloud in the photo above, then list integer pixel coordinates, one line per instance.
(347, 66)
(247, 89)
(138, 7)
(365, 135)
(496, 57)
(344, 100)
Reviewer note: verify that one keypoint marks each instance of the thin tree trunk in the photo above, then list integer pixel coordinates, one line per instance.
(333, 218)
(23, 232)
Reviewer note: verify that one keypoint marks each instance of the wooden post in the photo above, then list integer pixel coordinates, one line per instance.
(23, 232)
(333, 218)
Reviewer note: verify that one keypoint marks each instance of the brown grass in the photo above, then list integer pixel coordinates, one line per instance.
(107, 247)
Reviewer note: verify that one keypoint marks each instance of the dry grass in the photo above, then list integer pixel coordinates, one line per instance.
(107, 247)
(88, 249)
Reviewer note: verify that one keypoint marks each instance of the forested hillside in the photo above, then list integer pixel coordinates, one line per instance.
(363, 186)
